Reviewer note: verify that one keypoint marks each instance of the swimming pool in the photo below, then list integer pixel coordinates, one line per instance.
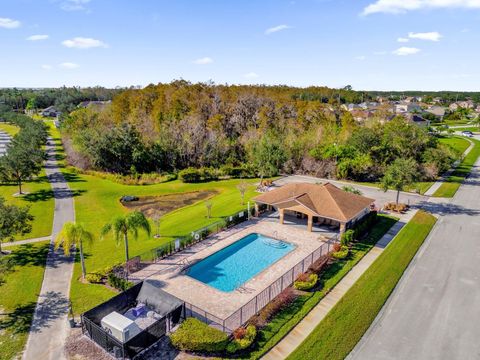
(235, 264)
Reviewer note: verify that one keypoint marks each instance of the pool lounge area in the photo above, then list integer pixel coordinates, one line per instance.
(222, 304)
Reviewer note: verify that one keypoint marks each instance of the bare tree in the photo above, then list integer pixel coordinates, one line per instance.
(242, 187)
(208, 205)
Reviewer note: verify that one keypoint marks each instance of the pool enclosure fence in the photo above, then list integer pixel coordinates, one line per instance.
(253, 307)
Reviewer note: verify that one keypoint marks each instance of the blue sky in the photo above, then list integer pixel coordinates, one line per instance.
(370, 44)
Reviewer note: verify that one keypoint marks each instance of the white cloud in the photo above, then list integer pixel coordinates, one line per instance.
(251, 75)
(74, 5)
(69, 65)
(83, 43)
(403, 6)
(277, 29)
(7, 23)
(403, 40)
(430, 36)
(37, 37)
(47, 67)
(404, 51)
(361, 57)
(203, 61)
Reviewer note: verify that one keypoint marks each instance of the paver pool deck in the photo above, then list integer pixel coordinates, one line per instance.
(223, 304)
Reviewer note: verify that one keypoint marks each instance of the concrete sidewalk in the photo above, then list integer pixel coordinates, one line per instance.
(49, 327)
(300, 332)
(26, 241)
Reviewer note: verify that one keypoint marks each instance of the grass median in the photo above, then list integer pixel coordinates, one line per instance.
(453, 182)
(338, 333)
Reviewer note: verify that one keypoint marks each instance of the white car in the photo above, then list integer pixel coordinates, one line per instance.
(467, 133)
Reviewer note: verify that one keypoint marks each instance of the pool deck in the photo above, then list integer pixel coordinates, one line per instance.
(169, 272)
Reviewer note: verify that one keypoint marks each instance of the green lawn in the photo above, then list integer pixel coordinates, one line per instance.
(451, 185)
(19, 295)
(474, 129)
(338, 333)
(11, 130)
(39, 199)
(282, 323)
(97, 202)
(457, 143)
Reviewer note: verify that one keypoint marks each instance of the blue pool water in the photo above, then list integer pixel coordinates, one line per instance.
(235, 264)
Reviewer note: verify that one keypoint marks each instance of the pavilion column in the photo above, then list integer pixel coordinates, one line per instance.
(257, 211)
(281, 211)
(310, 223)
(343, 227)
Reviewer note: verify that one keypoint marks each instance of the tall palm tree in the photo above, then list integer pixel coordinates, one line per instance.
(125, 225)
(77, 235)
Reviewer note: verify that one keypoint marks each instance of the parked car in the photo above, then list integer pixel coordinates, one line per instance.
(467, 133)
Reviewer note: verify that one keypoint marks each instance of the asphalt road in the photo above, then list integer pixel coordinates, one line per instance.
(434, 312)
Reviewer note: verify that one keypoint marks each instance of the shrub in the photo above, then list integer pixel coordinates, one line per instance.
(285, 298)
(342, 254)
(307, 283)
(94, 278)
(336, 247)
(347, 237)
(194, 335)
(318, 265)
(190, 175)
(118, 283)
(248, 336)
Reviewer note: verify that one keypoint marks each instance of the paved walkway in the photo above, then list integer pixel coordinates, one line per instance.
(300, 332)
(49, 327)
(445, 176)
(4, 141)
(26, 241)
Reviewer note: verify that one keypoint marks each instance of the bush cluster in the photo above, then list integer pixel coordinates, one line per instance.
(305, 282)
(285, 298)
(342, 253)
(361, 227)
(133, 179)
(194, 335)
(203, 174)
(347, 237)
(242, 339)
(118, 283)
(94, 278)
(396, 207)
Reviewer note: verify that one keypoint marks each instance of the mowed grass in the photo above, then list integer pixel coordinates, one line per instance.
(452, 184)
(456, 143)
(474, 129)
(39, 197)
(98, 203)
(11, 130)
(19, 295)
(338, 333)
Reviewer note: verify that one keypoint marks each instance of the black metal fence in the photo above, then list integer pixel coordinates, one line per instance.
(253, 307)
(183, 242)
(130, 349)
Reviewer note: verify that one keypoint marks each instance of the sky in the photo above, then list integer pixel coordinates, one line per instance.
(368, 44)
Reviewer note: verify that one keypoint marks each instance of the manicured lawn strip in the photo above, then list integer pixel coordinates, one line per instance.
(11, 130)
(97, 202)
(457, 143)
(287, 319)
(338, 333)
(451, 185)
(474, 129)
(19, 295)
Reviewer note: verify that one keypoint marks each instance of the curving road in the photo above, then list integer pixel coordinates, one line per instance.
(434, 311)
(50, 324)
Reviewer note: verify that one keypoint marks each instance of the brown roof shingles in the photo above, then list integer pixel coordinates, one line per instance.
(325, 200)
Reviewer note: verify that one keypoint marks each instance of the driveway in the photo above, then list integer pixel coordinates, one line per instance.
(434, 311)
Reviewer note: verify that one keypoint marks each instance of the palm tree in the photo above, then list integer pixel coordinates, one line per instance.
(125, 225)
(74, 234)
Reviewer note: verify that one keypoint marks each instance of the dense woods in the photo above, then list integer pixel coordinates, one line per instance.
(261, 129)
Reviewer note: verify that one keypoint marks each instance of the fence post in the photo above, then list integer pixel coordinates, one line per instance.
(281, 286)
(256, 304)
(241, 316)
(269, 293)
(303, 265)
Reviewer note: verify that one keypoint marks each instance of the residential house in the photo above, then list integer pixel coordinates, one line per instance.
(438, 111)
(96, 105)
(50, 111)
(404, 107)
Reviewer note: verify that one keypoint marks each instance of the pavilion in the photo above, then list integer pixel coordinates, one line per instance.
(320, 203)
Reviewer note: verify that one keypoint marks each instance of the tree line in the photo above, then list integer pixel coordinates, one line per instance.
(264, 129)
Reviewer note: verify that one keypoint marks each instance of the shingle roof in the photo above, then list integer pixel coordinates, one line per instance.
(324, 200)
